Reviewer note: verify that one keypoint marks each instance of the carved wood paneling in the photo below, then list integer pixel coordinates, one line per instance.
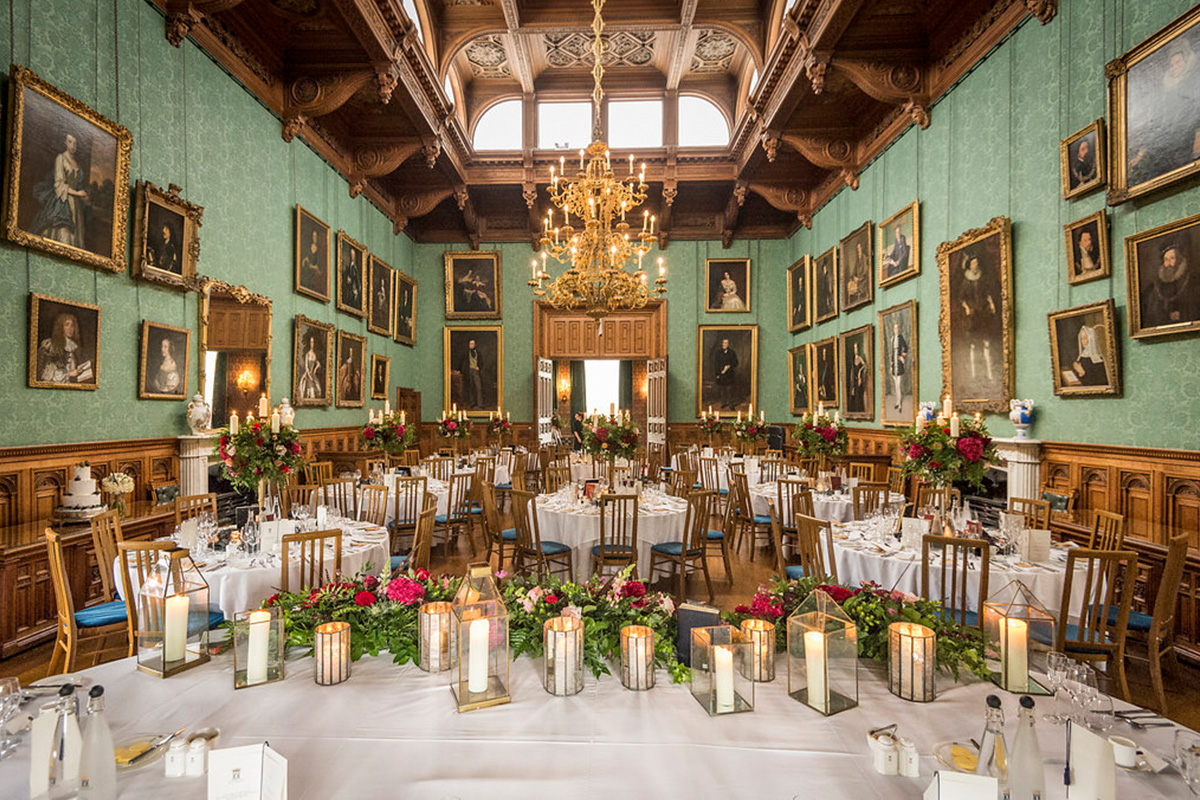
(1183, 508)
(1135, 502)
(633, 335)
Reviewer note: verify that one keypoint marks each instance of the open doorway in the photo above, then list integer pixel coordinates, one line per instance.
(590, 386)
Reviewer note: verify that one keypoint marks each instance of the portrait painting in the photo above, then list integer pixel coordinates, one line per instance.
(825, 379)
(975, 326)
(380, 281)
(825, 285)
(166, 235)
(898, 363)
(1087, 248)
(856, 349)
(474, 368)
(381, 376)
(312, 362)
(405, 329)
(727, 368)
(64, 343)
(854, 253)
(163, 365)
(473, 284)
(799, 377)
(312, 256)
(899, 245)
(351, 275)
(1083, 350)
(351, 357)
(67, 187)
(728, 282)
(1163, 281)
(799, 311)
(1082, 160)
(1154, 110)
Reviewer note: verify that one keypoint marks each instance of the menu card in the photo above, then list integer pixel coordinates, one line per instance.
(252, 772)
(961, 786)
(1035, 546)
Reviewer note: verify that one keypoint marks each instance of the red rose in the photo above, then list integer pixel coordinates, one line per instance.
(224, 441)
(970, 448)
(370, 583)
(916, 451)
(286, 469)
(742, 609)
(635, 589)
(296, 448)
(752, 430)
(365, 598)
(808, 426)
(272, 600)
(601, 434)
(422, 574)
(630, 437)
(451, 425)
(828, 434)
(840, 594)
(551, 599)
(400, 431)
(946, 431)
(256, 427)
(935, 465)
(368, 432)
(259, 441)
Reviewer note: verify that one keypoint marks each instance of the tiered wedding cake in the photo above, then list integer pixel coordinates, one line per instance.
(80, 501)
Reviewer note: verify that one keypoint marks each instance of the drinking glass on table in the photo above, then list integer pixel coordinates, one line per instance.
(1100, 712)
(1080, 684)
(1057, 666)
(10, 701)
(1187, 758)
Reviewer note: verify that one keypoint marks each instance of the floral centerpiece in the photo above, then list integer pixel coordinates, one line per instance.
(943, 453)
(499, 427)
(611, 437)
(749, 429)
(820, 436)
(389, 434)
(710, 425)
(454, 426)
(258, 458)
(120, 486)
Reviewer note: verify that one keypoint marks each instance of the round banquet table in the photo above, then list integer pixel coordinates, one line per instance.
(835, 507)
(394, 731)
(660, 519)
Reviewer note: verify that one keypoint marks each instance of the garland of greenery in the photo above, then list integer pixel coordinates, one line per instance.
(940, 459)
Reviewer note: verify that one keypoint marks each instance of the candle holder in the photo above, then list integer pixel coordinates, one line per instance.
(1017, 631)
(480, 641)
(720, 666)
(436, 621)
(562, 656)
(912, 656)
(331, 649)
(172, 605)
(822, 655)
(259, 643)
(637, 657)
(762, 649)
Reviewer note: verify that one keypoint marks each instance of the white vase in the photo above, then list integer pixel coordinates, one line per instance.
(1021, 415)
(199, 415)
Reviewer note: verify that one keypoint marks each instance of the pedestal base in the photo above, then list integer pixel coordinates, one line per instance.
(1022, 457)
(194, 452)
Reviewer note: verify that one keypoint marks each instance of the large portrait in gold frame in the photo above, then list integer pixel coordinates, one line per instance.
(856, 284)
(64, 343)
(67, 176)
(351, 362)
(1082, 162)
(825, 285)
(351, 275)
(473, 375)
(825, 376)
(857, 352)
(1087, 248)
(473, 284)
(166, 238)
(976, 321)
(1154, 110)
(727, 281)
(727, 368)
(800, 379)
(163, 364)
(312, 255)
(381, 287)
(898, 367)
(405, 329)
(1084, 359)
(898, 245)
(1162, 280)
(799, 296)
(312, 362)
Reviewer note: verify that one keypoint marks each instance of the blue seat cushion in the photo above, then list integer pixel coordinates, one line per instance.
(697, 485)
(674, 549)
(715, 535)
(617, 550)
(509, 535)
(1138, 621)
(1072, 633)
(794, 572)
(503, 485)
(215, 620)
(440, 518)
(762, 519)
(398, 562)
(971, 618)
(555, 548)
(103, 614)
(723, 491)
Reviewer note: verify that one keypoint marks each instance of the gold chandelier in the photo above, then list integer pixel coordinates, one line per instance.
(597, 281)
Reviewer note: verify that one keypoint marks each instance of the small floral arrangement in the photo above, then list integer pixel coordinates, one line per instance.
(499, 427)
(749, 430)
(389, 434)
(709, 424)
(255, 454)
(454, 427)
(117, 483)
(820, 435)
(611, 437)
(932, 454)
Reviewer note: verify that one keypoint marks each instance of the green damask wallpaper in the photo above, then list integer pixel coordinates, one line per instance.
(992, 149)
(194, 126)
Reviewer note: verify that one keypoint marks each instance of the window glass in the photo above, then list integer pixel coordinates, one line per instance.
(635, 123)
(564, 126)
(701, 124)
(500, 127)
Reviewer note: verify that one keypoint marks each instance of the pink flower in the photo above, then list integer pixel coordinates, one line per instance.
(365, 598)
(296, 448)
(573, 611)
(501, 574)
(601, 434)
(370, 583)
(368, 433)
(916, 451)
(405, 591)
(828, 434)
(970, 448)
(451, 425)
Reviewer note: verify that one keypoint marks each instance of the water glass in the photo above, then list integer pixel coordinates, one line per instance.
(1057, 664)
(1187, 758)
(10, 701)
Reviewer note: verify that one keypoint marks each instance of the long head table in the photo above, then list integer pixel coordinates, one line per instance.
(394, 732)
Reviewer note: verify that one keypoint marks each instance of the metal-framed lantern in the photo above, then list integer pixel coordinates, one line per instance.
(436, 623)
(1017, 631)
(259, 643)
(562, 656)
(637, 657)
(762, 649)
(331, 652)
(822, 655)
(172, 620)
(912, 657)
(481, 635)
(721, 666)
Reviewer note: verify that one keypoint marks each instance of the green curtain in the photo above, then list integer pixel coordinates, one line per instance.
(578, 389)
(625, 386)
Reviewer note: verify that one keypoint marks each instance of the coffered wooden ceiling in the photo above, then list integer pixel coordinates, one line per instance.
(366, 87)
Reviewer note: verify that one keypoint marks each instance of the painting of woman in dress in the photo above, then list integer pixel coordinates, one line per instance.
(858, 371)
(351, 276)
(64, 343)
(351, 353)
(825, 285)
(1083, 350)
(728, 282)
(312, 256)
(380, 318)
(311, 362)
(857, 288)
(163, 366)
(69, 195)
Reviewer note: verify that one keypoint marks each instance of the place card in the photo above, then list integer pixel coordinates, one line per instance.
(252, 772)
(189, 531)
(961, 786)
(270, 534)
(1035, 546)
(1091, 765)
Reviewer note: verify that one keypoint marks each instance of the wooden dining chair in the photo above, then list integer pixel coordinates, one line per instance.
(773, 452)
(545, 557)
(458, 513)
(943, 498)
(341, 494)
(438, 467)
(556, 476)
(163, 492)
(418, 555)
(792, 496)
(106, 534)
(770, 470)
(138, 560)
(194, 505)
(1158, 627)
(751, 525)
(1036, 512)
(683, 483)
(372, 505)
(302, 496)
(105, 624)
(864, 471)
(318, 473)
(312, 558)
(953, 580)
(710, 480)
(1109, 579)
(498, 537)
(812, 547)
(869, 498)
(896, 481)
(409, 500)
(411, 457)
(618, 533)
(689, 554)
(1108, 531)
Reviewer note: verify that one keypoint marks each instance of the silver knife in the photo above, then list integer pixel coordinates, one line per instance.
(162, 740)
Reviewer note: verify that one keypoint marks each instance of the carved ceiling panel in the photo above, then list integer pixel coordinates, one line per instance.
(714, 51)
(623, 48)
(488, 58)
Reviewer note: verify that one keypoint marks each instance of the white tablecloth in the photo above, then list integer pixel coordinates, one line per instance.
(836, 507)
(393, 731)
(659, 520)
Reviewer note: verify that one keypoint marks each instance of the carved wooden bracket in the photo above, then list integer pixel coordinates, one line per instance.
(669, 192)
(431, 149)
(387, 77)
(827, 153)
(183, 15)
(375, 160)
(786, 198)
(815, 67)
(770, 143)
(918, 113)
(461, 196)
(411, 206)
(530, 193)
(1044, 10)
(312, 96)
(887, 82)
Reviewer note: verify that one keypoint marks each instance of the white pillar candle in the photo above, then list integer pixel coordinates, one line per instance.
(820, 409)
(947, 407)
(233, 424)
(920, 423)
(954, 425)
(1014, 654)
(723, 669)
(403, 418)
(175, 624)
(560, 665)
(477, 657)
(275, 420)
(387, 408)
(263, 406)
(816, 667)
(256, 656)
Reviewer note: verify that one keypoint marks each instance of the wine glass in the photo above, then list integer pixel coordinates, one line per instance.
(1187, 758)
(1100, 712)
(1057, 666)
(10, 701)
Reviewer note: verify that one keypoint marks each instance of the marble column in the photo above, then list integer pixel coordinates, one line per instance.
(1022, 457)
(194, 452)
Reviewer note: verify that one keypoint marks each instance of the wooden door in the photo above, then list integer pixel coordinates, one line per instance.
(656, 401)
(544, 397)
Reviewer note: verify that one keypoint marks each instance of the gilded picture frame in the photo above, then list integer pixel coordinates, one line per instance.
(404, 330)
(64, 343)
(351, 380)
(975, 325)
(54, 137)
(899, 259)
(461, 390)
(856, 282)
(312, 377)
(800, 380)
(899, 389)
(825, 285)
(1083, 160)
(1153, 116)
(728, 384)
(351, 275)
(311, 256)
(727, 283)
(799, 295)
(381, 376)
(1084, 356)
(1087, 248)
(206, 288)
(166, 236)
(1158, 261)
(856, 351)
(159, 367)
(826, 377)
(382, 294)
(474, 285)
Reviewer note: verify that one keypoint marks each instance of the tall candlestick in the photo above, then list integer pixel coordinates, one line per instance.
(954, 425)
(233, 424)
(821, 409)
(260, 637)
(263, 406)
(816, 668)
(477, 659)
(275, 422)
(403, 416)
(387, 408)
(175, 625)
(723, 669)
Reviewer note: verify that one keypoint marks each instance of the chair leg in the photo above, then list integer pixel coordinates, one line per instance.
(1156, 678)
(681, 566)
(1117, 664)
(707, 579)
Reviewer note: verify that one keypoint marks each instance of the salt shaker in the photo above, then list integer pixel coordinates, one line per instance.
(907, 756)
(197, 757)
(175, 761)
(883, 754)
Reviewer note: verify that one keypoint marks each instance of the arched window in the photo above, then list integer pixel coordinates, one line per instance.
(449, 87)
(701, 124)
(410, 8)
(500, 127)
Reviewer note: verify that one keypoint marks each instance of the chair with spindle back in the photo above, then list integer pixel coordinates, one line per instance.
(458, 513)
(755, 525)
(138, 560)
(772, 452)
(710, 477)
(105, 624)
(439, 467)
(164, 492)
(943, 498)
(546, 557)
(342, 495)
(1159, 626)
(682, 483)
(194, 505)
(1108, 531)
(409, 502)
(296, 497)
(689, 554)
(556, 476)
(618, 533)
(318, 473)
(494, 533)
(896, 481)
(807, 467)
(792, 496)
(864, 471)
(1101, 614)
(869, 498)
(770, 470)
(411, 457)
(106, 534)
(312, 558)
(1035, 512)
(417, 556)
(813, 547)
(953, 580)
(372, 505)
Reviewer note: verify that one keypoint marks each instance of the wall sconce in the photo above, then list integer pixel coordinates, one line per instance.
(564, 389)
(246, 380)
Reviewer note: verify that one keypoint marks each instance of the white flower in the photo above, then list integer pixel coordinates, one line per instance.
(117, 482)
(573, 611)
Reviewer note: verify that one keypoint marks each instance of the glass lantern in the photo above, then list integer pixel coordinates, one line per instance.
(822, 655)
(259, 643)
(562, 656)
(436, 623)
(1017, 631)
(481, 627)
(912, 656)
(762, 639)
(721, 664)
(637, 657)
(172, 625)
